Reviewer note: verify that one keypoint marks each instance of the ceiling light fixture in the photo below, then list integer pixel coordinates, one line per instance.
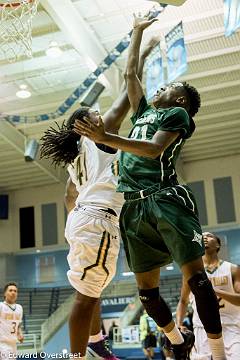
(53, 50)
(23, 93)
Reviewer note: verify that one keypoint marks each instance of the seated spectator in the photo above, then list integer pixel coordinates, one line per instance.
(147, 335)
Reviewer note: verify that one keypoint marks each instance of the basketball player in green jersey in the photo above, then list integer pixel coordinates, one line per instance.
(159, 220)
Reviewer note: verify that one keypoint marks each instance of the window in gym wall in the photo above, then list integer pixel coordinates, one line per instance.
(45, 269)
(27, 227)
(198, 190)
(224, 200)
(49, 224)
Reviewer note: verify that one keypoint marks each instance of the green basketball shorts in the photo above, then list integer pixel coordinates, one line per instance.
(159, 226)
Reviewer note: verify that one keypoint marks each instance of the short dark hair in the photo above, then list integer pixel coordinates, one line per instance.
(11, 283)
(60, 144)
(218, 241)
(193, 98)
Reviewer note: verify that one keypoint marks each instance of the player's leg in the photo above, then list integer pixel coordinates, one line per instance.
(98, 344)
(201, 350)
(96, 331)
(155, 305)
(94, 246)
(146, 252)
(181, 231)
(80, 323)
(207, 305)
(231, 335)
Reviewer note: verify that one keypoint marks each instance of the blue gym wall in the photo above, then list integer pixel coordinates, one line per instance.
(22, 268)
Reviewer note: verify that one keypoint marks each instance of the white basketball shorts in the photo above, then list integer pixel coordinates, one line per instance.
(94, 239)
(8, 350)
(231, 338)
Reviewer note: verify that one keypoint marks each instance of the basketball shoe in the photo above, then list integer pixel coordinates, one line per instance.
(100, 350)
(182, 351)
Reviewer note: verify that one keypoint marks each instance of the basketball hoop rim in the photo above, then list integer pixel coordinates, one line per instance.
(15, 4)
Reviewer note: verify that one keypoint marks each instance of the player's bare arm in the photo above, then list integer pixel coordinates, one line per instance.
(20, 334)
(152, 149)
(71, 195)
(114, 117)
(134, 87)
(230, 297)
(183, 303)
(236, 278)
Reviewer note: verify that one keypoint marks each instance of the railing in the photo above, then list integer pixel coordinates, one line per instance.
(56, 320)
(30, 302)
(53, 301)
(30, 342)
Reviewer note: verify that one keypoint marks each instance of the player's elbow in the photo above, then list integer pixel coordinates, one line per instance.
(154, 151)
(131, 72)
(183, 302)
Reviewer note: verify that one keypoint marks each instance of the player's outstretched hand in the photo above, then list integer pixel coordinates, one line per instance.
(142, 22)
(94, 131)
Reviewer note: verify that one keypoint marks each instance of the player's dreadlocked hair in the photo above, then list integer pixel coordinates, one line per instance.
(60, 144)
(194, 99)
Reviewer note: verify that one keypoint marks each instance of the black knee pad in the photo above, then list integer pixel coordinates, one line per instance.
(155, 306)
(206, 301)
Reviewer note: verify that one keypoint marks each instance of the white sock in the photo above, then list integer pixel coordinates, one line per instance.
(217, 348)
(96, 338)
(175, 336)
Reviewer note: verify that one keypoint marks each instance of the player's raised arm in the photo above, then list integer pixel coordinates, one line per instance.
(114, 117)
(70, 195)
(134, 87)
(148, 148)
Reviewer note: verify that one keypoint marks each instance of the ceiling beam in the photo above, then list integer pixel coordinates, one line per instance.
(215, 53)
(219, 132)
(25, 184)
(219, 86)
(219, 115)
(208, 140)
(73, 25)
(217, 71)
(218, 154)
(213, 148)
(23, 177)
(223, 100)
(17, 140)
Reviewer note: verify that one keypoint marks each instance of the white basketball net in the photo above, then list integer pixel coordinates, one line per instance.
(16, 28)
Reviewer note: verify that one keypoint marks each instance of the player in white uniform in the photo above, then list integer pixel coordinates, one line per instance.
(225, 278)
(10, 322)
(92, 228)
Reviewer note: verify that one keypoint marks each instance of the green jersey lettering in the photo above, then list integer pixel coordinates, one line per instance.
(138, 172)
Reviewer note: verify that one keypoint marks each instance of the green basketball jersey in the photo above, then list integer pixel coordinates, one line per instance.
(137, 172)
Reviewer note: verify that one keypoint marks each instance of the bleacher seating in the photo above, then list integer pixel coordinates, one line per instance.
(36, 305)
(39, 303)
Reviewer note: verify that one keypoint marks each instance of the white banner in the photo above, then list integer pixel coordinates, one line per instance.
(231, 16)
(176, 53)
(154, 72)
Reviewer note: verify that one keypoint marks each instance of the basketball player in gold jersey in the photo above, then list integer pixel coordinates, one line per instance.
(225, 278)
(10, 322)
